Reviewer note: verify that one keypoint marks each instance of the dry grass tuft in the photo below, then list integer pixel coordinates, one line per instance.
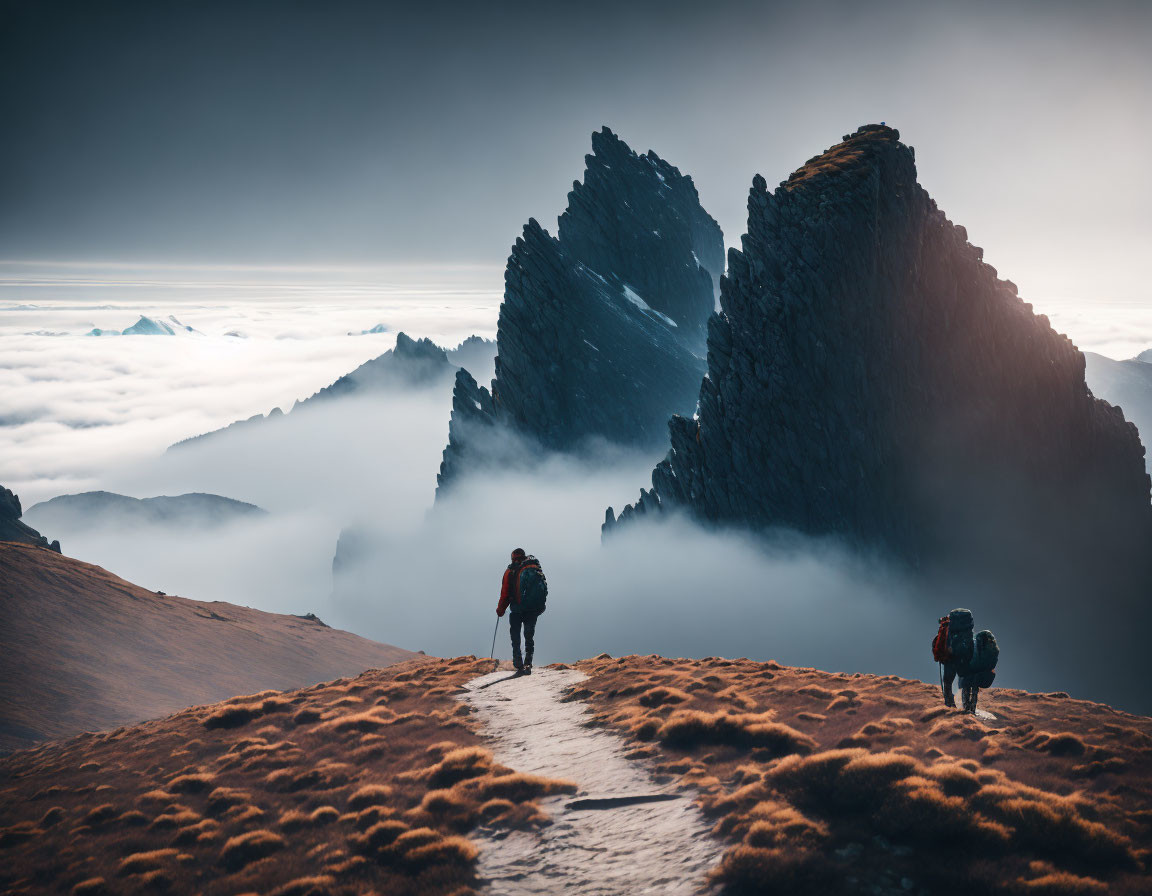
(93, 886)
(315, 885)
(141, 862)
(197, 783)
(1061, 883)
(662, 696)
(372, 720)
(459, 765)
(516, 787)
(1064, 744)
(370, 795)
(249, 847)
(689, 728)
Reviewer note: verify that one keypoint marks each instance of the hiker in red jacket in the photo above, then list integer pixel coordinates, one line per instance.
(523, 591)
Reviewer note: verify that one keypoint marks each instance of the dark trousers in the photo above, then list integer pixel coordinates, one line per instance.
(949, 677)
(967, 683)
(528, 621)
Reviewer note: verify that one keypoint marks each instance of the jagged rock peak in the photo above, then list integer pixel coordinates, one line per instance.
(600, 333)
(638, 218)
(412, 349)
(870, 376)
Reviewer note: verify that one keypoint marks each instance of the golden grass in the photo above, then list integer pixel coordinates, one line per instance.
(360, 785)
(884, 784)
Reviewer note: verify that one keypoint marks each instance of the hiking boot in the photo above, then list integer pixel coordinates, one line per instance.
(949, 700)
(527, 670)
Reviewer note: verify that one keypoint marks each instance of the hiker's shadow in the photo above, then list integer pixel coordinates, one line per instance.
(489, 684)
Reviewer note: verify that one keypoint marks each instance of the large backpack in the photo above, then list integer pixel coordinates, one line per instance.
(984, 655)
(533, 588)
(960, 644)
(940, 642)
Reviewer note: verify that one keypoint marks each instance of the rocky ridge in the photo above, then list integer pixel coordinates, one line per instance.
(412, 364)
(599, 331)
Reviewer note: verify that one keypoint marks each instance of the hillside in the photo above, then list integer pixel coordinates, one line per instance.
(83, 650)
(812, 783)
(826, 783)
(337, 788)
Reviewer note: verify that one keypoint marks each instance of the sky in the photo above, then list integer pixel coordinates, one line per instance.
(350, 133)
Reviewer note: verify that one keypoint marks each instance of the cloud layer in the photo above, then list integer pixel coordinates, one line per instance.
(81, 413)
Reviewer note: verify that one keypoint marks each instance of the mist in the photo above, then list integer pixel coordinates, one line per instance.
(85, 413)
(425, 574)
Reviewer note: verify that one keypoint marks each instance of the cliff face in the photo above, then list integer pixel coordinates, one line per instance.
(639, 218)
(1126, 384)
(871, 377)
(599, 331)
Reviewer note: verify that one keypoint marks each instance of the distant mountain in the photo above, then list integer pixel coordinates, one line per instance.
(477, 355)
(12, 529)
(98, 509)
(601, 331)
(83, 650)
(1128, 385)
(412, 364)
(147, 326)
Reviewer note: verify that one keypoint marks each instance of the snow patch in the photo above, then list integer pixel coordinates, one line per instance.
(632, 297)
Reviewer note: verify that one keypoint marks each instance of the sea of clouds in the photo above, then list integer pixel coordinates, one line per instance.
(80, 413)
(74, 407)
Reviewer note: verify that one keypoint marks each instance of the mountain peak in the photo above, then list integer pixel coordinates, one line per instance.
(601, 331)
(855, 154)
(871, 378)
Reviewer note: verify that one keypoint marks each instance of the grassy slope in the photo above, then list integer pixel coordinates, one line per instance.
(359, 785)
(82, 650)
(826, 783)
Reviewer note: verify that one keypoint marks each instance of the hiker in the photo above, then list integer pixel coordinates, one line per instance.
(959, 654)
(523, 592)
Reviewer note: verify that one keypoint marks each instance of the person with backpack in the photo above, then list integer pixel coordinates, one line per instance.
(972, 659)
(523, 592)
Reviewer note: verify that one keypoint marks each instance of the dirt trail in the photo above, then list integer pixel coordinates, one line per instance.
(621, 833)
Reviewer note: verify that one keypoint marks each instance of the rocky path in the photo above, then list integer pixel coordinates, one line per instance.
(620, 833)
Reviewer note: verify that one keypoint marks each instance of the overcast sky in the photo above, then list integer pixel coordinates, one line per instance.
(353, 132)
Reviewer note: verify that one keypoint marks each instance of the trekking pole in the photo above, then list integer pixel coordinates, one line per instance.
(492, 655)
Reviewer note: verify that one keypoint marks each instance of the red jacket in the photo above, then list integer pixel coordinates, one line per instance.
(510, 586)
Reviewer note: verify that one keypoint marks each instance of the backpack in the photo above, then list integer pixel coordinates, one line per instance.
(533, 588)
(985, 654)
(940, 642)
(960, 644)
